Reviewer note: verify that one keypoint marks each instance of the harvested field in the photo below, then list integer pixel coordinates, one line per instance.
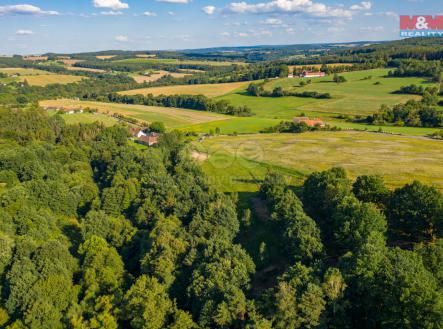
(171, 117)
(85, 69)
(209, 90)
(157, 75)
(105, 57)
(47, 79)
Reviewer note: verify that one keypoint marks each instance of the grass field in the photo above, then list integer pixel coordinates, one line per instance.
(171, 117)
(240, 163)
(234, 125)
(357, 96)
(412, 131)
(173, 61)
(210, 90)
(269, 107)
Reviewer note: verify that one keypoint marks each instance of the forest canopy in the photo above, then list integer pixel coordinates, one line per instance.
(96, 233)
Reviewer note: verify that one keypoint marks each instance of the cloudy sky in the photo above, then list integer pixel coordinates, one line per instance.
(38, 26)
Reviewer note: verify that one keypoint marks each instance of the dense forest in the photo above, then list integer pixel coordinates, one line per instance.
(96, 233)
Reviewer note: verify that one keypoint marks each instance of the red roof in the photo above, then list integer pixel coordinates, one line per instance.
(309, 122)
(150, 139)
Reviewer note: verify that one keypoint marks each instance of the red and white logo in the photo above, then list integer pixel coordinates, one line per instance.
(421, 26)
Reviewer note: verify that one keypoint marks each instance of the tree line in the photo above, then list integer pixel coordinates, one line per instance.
(413, 113)
(257, 90)
(192, 102)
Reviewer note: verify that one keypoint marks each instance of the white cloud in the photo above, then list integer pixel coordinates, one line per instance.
(111, 4)
(390, 14)
(174, 1)
(121, 38)
(335, 29)
(372, 28)
(253, 33)
(171, 13)
(111, 13)
(25, 10)
(149, 14)
(24, 32)
(209, 10)
(364, 5)
(225, 34)
(273, 21)
(308, 7)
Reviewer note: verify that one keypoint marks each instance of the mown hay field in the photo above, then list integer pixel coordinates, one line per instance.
(171, 117)
(209, 90)
(22, 71)
(47, 79)
(85, 69)
(105, 57)
(156, 76)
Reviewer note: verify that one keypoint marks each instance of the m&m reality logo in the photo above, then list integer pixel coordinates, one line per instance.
(421, 26)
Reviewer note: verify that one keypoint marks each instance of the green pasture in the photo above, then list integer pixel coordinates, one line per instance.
(358, 96)
(239, 163)
(234, 125)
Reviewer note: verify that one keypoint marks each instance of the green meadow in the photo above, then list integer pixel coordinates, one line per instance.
(239, 163)
(362, 94)
(234, 125)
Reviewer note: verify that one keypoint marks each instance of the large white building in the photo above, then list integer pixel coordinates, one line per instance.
(306, 74)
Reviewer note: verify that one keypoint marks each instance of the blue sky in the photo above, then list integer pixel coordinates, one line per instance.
(39, 26)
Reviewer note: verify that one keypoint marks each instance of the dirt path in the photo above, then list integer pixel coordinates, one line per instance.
(199, 156)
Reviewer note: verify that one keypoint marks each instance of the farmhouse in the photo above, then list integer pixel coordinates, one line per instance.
(310, 122)
(308, 74)
(137, 132)
(149, 139)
